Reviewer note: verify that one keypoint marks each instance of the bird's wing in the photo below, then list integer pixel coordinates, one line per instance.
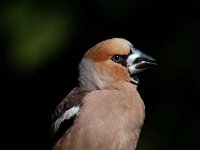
(65, 112)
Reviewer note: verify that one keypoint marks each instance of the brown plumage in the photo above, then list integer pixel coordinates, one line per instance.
(107, 109)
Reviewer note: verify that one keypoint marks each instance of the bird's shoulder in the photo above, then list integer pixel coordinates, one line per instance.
(72, 99)
(66, 111)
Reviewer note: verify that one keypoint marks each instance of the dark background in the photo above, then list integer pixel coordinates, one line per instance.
(42, 42)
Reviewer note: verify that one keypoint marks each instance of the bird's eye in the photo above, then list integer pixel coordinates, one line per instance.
(117, 58)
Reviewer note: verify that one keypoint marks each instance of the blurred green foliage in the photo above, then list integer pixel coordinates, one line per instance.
(35, 36)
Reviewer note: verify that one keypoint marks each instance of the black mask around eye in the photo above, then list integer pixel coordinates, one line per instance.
(120, 59)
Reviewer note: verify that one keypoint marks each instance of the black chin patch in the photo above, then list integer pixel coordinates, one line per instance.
(136, 79)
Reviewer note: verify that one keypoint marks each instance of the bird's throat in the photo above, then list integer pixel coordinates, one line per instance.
(134, 79)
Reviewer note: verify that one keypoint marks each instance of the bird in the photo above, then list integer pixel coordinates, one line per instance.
(105, 111)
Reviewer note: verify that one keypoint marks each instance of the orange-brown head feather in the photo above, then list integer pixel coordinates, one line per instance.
(97, 68)
(106, 49)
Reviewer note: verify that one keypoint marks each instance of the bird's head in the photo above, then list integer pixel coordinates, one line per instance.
(110, 63)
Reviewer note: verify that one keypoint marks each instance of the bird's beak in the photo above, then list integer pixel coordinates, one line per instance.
(137, 61)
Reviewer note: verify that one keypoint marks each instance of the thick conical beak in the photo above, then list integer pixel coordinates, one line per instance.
(138, 61)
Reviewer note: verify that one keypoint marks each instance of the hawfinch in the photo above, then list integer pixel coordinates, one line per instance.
(105, 112)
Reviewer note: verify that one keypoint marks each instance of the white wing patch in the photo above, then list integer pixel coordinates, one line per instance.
(67, 115)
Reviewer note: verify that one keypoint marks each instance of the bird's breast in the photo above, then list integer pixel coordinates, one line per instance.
(112, 116)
